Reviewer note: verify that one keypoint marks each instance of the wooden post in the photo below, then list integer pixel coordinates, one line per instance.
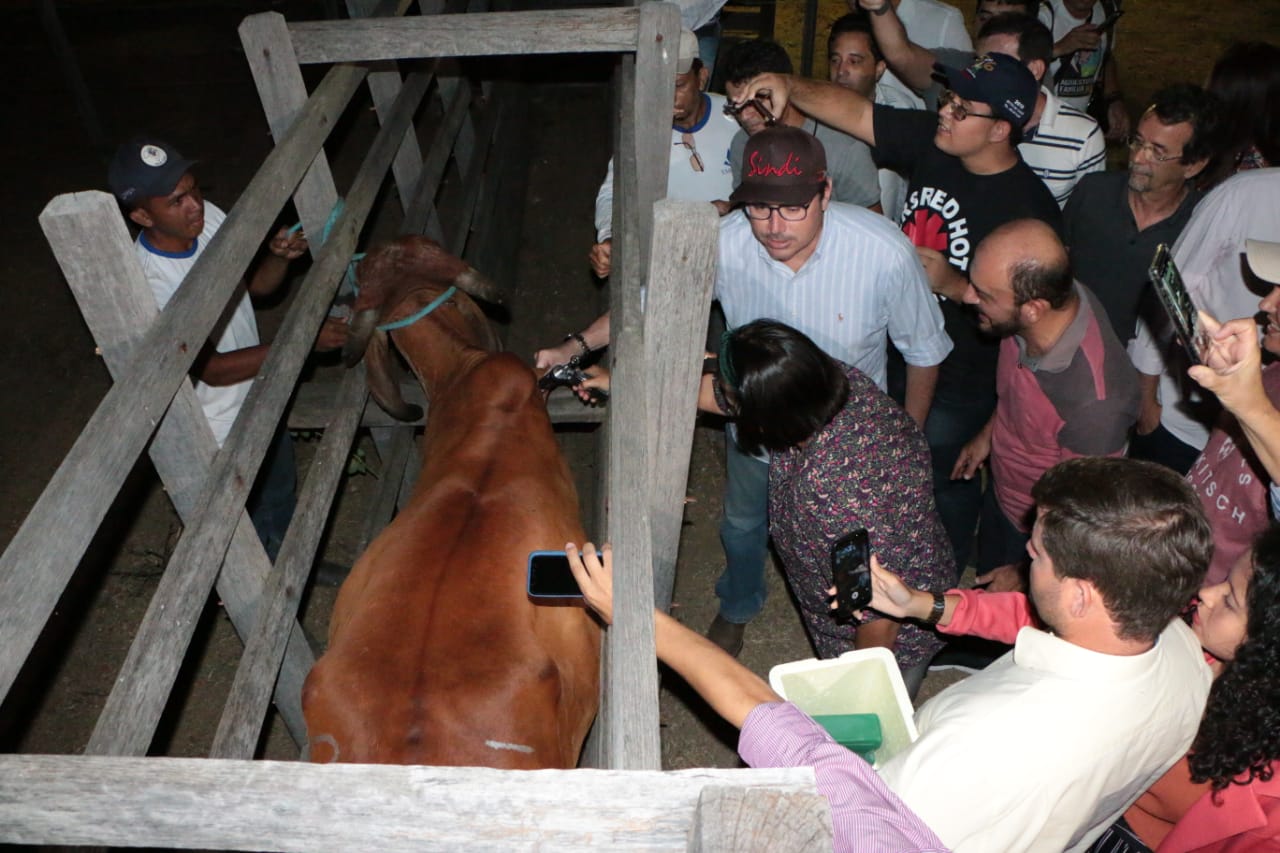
(682, 268)
(88, 237)
(629, 718)
(739, 818)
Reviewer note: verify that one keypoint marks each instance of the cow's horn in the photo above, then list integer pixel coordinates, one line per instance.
(360, 330)
(474, 284)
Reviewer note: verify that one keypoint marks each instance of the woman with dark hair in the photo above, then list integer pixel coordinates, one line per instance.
(845, 456)
(1246, 78)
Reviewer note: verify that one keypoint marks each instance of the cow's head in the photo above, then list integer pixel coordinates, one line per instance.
(396, 280)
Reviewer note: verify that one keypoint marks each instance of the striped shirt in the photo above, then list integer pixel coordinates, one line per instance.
(1063, 147)
(866, 815)
(862, 283)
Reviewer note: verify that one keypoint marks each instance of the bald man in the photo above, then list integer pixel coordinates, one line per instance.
(1065, 385)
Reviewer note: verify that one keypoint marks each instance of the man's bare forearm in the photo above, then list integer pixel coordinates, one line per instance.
(921, 382)
(834, 106)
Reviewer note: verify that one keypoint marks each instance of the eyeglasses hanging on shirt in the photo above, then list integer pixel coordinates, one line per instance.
(695, 162)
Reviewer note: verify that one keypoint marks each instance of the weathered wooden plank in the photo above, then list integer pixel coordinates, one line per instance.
(314, 402)
(43, 553)
(631, 712)
(421, 217)
(682, 264)
(133, 708)
(278, 79)
(740, 818)
(93, 249)
(395, 453)
(474, 178)
(240, 727)
(292, 806)
(489, 34)
(384, 85)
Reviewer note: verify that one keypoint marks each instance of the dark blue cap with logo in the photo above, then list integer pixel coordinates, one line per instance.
(145, 167)
(996, 79)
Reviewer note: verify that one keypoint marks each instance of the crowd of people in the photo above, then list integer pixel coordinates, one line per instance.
(941, 328)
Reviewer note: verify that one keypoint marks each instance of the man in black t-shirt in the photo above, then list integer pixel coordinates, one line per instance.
(965, 179)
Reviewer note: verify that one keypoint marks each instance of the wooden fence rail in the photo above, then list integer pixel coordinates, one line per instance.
(336, 808)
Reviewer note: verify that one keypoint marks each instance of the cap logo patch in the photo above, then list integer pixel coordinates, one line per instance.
(761, 168)
(153, 155)
(982, 63)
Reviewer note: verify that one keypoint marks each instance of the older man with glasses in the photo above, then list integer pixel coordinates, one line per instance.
(841, 274)
(965, 179)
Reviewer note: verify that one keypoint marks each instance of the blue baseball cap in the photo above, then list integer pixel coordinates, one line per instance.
(144, 167)
(996, 79)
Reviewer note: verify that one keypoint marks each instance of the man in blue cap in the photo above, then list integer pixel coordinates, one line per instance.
(159, 194)
(965, 179)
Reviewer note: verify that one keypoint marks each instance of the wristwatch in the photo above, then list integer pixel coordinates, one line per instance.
(939, 605)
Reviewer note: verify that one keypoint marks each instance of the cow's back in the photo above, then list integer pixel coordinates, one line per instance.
(436, 654)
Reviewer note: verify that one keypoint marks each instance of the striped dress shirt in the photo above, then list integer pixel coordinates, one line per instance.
(863, 284)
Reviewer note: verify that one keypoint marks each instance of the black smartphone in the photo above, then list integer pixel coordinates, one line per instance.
(851, 569)
(1110, 21)
(1177, 303)
(550, 577)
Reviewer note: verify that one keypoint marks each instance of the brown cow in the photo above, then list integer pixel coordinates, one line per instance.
(436, 654)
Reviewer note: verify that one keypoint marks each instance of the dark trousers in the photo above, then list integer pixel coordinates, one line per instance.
(1165, 448)
(274, 495)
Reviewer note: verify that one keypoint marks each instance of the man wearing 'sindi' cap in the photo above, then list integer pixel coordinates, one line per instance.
(965, 179)
(841, 274)
(158, 192)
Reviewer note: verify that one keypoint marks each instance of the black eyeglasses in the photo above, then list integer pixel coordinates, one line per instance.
(735, 110)
(788, 212)
(1136, 144)
(958, 110)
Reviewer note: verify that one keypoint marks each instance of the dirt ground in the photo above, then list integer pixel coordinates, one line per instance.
(176, 69)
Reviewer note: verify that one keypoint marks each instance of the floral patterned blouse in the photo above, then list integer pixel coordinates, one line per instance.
(869, 468)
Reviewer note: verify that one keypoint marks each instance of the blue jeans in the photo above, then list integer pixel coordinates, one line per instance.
(274, 495)
(744, 533)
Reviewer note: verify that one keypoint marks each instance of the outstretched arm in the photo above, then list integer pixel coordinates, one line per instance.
(830, 104)
(728, 686)
(912, 63)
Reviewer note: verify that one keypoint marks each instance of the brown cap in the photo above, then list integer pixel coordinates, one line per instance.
(781, 165)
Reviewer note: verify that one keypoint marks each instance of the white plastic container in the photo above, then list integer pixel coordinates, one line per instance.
(866, 681)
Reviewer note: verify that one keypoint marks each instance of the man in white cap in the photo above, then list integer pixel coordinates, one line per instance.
(1232, 475)
(699, 170)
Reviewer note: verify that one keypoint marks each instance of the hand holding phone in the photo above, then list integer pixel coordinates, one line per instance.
(851, 571)
(1172, 291)
(550, 576)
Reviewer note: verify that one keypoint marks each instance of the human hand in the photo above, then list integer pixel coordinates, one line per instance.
(594, 576)
(601, 258)
(1118, 121)
(333, 335)
(772, 90)
(1007, 578)
(892, 597)
(288, 244)
(545, 359)
(1232, 366)
(972, 455)
(1084, 37)
(597, 379)
(944, 279)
